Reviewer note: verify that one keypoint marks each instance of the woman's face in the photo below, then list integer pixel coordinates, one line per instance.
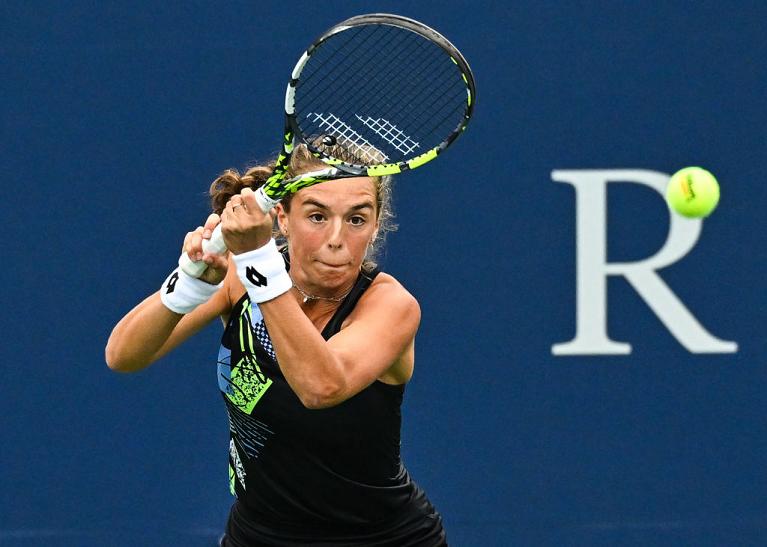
(329, 228)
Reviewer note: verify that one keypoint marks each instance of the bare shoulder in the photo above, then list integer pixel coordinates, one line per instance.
(388, 296)
(387, 284)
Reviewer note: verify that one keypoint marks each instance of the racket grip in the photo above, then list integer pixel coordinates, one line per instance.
(265, 202)
(214, 245)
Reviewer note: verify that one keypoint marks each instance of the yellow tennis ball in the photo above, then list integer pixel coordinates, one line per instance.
(692, 192)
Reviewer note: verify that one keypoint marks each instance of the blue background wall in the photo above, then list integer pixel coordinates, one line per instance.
(116, 116)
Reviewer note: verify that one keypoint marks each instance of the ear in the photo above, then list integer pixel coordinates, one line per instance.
(375, 233)
(282, 219)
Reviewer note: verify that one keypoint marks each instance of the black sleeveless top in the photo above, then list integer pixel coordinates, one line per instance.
(314, 477)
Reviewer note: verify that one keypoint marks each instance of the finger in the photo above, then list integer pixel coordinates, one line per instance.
(228, 213)
(185, 244)
(228, 219)
(235, 206)
(235, 201)
(197, 243)
(249, 199)
(212, 221)
(219, 262)
(188, 241)
(193, 244)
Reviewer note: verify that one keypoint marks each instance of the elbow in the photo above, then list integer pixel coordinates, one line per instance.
(118, 362)
(112, 354)
(322, 397)
(111, 357)
(113, 360)
(325, 388)
(313, 403)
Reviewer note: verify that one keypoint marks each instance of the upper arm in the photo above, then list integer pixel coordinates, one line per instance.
(381, 330)
(150, 330)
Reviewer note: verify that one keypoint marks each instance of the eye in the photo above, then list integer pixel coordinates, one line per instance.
(317, 217)
(357, 220)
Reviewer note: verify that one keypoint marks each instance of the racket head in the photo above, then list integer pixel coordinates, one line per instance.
(379, 94)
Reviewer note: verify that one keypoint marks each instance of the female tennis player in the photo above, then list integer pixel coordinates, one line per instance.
(316, 351)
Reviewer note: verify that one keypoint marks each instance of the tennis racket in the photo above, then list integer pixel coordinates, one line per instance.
(375, 95)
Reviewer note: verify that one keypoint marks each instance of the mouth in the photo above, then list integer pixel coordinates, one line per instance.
(333, 266)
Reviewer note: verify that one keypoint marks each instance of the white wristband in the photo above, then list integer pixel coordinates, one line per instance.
(263, 273)
(181, 293)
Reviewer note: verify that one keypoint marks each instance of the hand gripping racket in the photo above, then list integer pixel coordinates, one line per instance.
(375, 95)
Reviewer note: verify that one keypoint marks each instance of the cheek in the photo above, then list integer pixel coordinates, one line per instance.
(305, 240)
(361, 242)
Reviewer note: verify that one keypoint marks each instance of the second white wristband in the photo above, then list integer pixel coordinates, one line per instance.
(262, 273)
(181, 293)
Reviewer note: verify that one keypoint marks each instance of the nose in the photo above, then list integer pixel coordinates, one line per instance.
(336, 234)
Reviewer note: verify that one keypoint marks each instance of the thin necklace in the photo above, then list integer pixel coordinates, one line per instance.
(308, 297)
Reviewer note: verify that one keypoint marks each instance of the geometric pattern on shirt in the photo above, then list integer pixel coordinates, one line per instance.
(258, 327)
(263, 338)
(251, 433)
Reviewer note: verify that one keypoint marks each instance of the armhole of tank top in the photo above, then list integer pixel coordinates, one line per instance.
(236, 311)
(390, 387)
(363, 282)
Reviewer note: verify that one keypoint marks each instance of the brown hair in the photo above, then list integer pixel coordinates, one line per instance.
(231, 182)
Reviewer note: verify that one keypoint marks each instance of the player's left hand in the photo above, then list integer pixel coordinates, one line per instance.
(244, 225)
(193, 247)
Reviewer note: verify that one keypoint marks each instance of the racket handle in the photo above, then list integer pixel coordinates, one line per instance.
(265, 202)
(215, 244)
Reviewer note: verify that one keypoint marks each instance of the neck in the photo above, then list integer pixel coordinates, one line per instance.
(309, 297)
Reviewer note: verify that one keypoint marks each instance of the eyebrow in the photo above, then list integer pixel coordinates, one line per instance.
(314, 203)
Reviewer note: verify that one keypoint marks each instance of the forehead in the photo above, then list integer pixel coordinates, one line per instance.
(339, 192)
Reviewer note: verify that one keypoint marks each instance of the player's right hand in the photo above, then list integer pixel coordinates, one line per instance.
(217, 264)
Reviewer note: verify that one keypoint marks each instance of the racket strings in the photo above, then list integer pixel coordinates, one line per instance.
(384, 128)
(332, 121)
(367, 63)
(349, 140)
(456, 100)
(417, 120)
(406, 110)
(321, 60)
(390, 133)
(357, 62)
(340, 46)
(402, 89)
(406, 93)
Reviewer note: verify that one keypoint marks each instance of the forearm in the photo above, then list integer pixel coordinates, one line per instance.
(136, 340)
(182, 307)
(315, 373)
